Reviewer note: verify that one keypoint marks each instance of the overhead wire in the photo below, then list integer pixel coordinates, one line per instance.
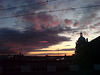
(26, 5)
(31, 4)
(52, 11)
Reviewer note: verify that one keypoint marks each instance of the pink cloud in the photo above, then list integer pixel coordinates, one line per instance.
(68, 22)
(55, 23)
(42, 20)
(87, 23)
(92, 27)
(14, 47)
(45, 19)
(35, 47)
(33, 19)
(97, 24)
(38, 27)
(19, 48)
(76, 24)
(43, 41)
(99, 29)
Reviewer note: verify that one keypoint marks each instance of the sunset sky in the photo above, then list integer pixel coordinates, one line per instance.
(46, 27)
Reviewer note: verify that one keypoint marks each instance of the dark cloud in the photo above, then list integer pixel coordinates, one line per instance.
(1, 6)
(72, 49)
(1, 1)
(51, 54)
(14, 41)
(35, 1)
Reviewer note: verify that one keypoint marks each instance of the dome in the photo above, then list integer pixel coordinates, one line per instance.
(81, 38)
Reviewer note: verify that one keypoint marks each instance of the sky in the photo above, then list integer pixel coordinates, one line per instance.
(46, 27)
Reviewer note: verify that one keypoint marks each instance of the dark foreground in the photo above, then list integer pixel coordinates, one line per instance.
(22, 65)
(56, 73)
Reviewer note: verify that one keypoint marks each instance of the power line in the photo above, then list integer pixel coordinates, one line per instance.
(20, 6)
(77, 8)
(51, 11)
(26, 5)
(31, 4)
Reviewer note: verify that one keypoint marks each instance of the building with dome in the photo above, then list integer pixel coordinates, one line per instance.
(81, 38)
(80, 44)
(82, 53)
(87, 53)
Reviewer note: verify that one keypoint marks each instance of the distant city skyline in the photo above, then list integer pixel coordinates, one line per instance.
(46, 27)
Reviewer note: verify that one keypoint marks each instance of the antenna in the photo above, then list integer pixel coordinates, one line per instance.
(58, 51)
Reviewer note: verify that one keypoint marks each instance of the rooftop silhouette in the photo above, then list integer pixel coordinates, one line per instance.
(87, 53)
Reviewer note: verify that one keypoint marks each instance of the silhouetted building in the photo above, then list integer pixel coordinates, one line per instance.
(94, 47)
(87, 53)
(80, 45)
(83, 53)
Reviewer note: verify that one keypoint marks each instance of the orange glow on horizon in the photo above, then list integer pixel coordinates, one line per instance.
(60, 53)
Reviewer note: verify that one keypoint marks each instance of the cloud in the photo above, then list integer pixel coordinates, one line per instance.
(55, 23)
(40, 29)
(71, 49)
(92, 27)
(35, 1)
(97, 19)
(52, 52)
(68, 22)
(49, 54)
(85, 33)
(97, 32)
(35, 7)
(97, 24)
(1, 7)
(43, 41)
(67, 45)
(42, 21)
(76, 24)
(14, 41)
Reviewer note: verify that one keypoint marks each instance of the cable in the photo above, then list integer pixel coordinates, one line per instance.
(30, 4)
(78, 8)
(51, 11)
(26, 5)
